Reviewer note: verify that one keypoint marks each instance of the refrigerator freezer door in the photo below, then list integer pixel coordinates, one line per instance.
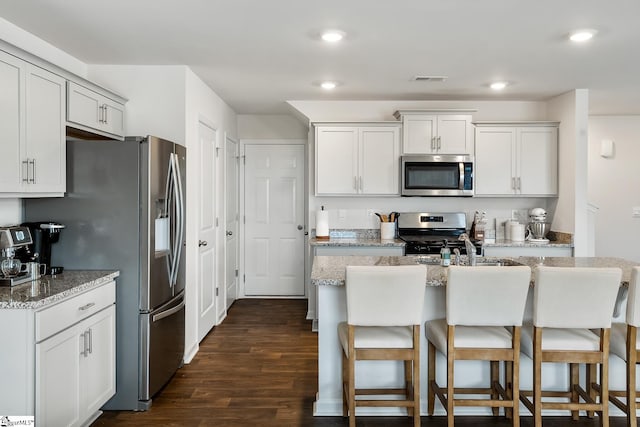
(157, 216)
(161, 346)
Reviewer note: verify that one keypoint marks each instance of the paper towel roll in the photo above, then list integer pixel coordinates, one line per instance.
(322, 224)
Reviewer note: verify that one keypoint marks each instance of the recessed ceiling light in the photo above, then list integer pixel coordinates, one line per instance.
(332, 36)
(579, 36)
(498, 85)
(328, 85)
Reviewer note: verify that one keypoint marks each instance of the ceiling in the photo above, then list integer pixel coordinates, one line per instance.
(257, 54)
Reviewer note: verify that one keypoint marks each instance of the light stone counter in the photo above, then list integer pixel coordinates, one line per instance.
(356, 242)
(330, 270)
(527, 244)
(50, 289)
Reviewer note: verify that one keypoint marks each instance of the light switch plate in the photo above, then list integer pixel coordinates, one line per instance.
(342, 213)
(635, 212)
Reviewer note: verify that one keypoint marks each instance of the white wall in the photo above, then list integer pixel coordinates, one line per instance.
(18, 37)
(156, 97)
(571, 211)
(318, 111)
(10, 212)
(270, 126)
(614, 185)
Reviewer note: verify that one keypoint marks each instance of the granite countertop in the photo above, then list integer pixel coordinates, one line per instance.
(330, 270)
(51, 289)
(355, 241)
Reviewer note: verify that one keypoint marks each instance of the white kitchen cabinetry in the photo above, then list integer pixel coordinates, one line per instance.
(94, 112)
(516, 159)
(434, 133)
(32, 130)
(357, 160)
(63, 356)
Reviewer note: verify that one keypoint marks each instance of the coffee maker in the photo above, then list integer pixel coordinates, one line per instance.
(14, 239)
(45, 234)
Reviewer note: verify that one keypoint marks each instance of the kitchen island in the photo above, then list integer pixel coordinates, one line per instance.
(328, 274)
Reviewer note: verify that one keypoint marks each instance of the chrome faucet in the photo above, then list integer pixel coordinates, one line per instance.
(471, 249)
(456, 256)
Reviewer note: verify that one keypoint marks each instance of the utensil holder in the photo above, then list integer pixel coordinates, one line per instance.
(387, 230)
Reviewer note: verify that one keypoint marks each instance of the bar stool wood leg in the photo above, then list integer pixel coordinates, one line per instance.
(509, 384)
(574, 380)
(632, 360)
(415, 364)
(515, 378)
(450, 363)
(495, 379)
(431, 372)
(604, 376)
(352, 379)
(345, 381)
(591, 381)
(537, 377)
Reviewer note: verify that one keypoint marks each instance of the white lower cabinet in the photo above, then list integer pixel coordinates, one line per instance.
(59, 361)
(75, 371)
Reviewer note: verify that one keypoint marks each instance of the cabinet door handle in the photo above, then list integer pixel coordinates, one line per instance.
(87, 306)
(439, 142)
(25, 171)
(100, 114)
(104, 108)
(33, 171)
(360, 179)
(513, 183)
(90, 331)
(518, 183)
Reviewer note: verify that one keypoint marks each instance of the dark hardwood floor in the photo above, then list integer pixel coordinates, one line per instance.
(259, 368)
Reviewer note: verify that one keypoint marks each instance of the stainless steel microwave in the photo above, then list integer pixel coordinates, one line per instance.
(437, 175)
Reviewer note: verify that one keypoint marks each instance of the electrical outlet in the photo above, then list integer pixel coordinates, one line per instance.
(370, 212)
(635, 212)
(515, 214)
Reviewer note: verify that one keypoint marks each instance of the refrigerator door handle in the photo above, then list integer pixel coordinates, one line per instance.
(181, 217)
(168, 206)
(168, 313)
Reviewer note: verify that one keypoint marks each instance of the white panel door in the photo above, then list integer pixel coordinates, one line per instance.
(419, 133)
(379, 159)
(274, 214)
(336, 160)
(231, 220)
(11, 125)
(495, 157)
(538, 160)
(207, 288)
(454, 134)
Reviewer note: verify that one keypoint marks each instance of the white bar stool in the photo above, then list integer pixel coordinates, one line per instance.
(568, 303)
(625, 345)
(485, 306)
(384, 312)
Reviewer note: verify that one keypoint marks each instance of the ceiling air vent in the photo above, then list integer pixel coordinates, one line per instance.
(429, 78)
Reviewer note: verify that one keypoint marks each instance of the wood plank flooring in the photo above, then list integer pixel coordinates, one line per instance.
(259, 368)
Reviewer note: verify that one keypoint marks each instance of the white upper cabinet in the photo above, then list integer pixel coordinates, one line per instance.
(516, 159)
(357, 159)
(32, 130)
(436, 133)
(91, 111)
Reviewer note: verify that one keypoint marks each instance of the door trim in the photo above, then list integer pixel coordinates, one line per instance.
(242, 234)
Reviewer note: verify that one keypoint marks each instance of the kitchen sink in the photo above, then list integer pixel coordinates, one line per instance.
(480, 261)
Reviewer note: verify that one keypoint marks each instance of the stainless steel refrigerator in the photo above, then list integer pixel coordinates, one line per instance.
(125, 210)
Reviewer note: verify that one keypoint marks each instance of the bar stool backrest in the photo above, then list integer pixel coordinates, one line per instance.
(575, 297)
(385, 295)
(633, 299)
(487, 295)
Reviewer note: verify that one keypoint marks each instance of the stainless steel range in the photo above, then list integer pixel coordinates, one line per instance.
(425, 233)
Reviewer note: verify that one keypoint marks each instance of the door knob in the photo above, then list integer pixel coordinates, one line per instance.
(202, 243)
(229, 233)
(300, 227)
